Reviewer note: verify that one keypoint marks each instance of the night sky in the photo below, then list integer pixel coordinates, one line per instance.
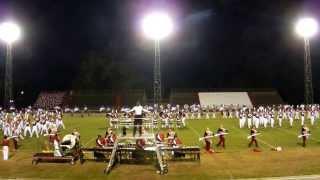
(216, 43)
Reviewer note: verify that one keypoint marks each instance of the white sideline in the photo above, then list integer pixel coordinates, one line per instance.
(303, 177)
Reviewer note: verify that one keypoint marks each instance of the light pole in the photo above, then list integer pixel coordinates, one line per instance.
(157, 26)
(9, 33)
(307, 28)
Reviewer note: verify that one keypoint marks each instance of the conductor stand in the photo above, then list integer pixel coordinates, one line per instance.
(132, 148)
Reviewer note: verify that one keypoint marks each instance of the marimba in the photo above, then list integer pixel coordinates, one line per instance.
(182, 153)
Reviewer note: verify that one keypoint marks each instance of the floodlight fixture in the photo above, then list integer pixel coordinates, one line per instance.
(9, 32)
(157, 25)
(307, 27)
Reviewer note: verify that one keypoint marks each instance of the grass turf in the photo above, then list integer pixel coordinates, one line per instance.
(236, 161)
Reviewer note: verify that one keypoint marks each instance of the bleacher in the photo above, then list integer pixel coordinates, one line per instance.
(97, 98)
(183, 97)
(226, 98)
(49, 100)
(91, 99)
(265, 97)
(256, 96)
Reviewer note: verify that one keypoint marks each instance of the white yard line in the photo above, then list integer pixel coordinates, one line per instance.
(195, 131)
(89, 141)
(303, 177)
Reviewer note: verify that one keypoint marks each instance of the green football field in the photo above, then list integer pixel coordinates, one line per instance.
(236, 161)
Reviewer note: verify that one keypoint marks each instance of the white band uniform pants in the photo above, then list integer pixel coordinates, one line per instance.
(5, 151)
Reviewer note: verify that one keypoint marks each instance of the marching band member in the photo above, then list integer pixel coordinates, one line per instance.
(249, 120)
(199, 113)
(261, 119)
(159, 138)
(253, 133)
(265, 120)
(291, 114)
(140, 143)
(302, 117)
(220, 133)
(34, 130)
(100, 142)
(207, 113)
(305, 132)
(208, 140)
(170, 136)
(230, 112)
(5, 148)
(312, 117)
(176, 142)
(27, 129)
(7, 129)
(183, 118)
(242, 120)
(256, 120)
(44, 128)
(60, 123)
(51, 136)
(110, 137)
(271, 116)
(56, 145)
(15, 138)
(171, 119)
(213, 111)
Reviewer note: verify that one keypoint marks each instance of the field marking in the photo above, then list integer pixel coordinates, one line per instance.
(89, 141)
(196, 132)
(303, 177)
(266, 143)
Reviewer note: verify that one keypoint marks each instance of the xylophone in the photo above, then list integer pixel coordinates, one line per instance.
(49, 157)
(182, 153)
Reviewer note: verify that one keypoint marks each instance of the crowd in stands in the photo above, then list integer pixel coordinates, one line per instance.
(49, 100)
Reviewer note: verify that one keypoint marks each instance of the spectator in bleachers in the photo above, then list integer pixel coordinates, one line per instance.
(49, 100)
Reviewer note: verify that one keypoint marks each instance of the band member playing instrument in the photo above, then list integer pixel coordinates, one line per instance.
(138, 110)
(100, 142)
(56, 146)
(110, 137)
(140, 144)
(170, 136)
(176, 142)
(253, 133)
(159, 138)
(221, 131)
(208, 140)
(305, 132)
(51, 137)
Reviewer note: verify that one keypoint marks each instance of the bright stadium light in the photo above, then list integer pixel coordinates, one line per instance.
(9, 32)
(157, 25)
(306, 28)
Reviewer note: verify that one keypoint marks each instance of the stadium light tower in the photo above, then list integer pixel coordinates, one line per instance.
(307, 28)
(9, 33)
(157, 26)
